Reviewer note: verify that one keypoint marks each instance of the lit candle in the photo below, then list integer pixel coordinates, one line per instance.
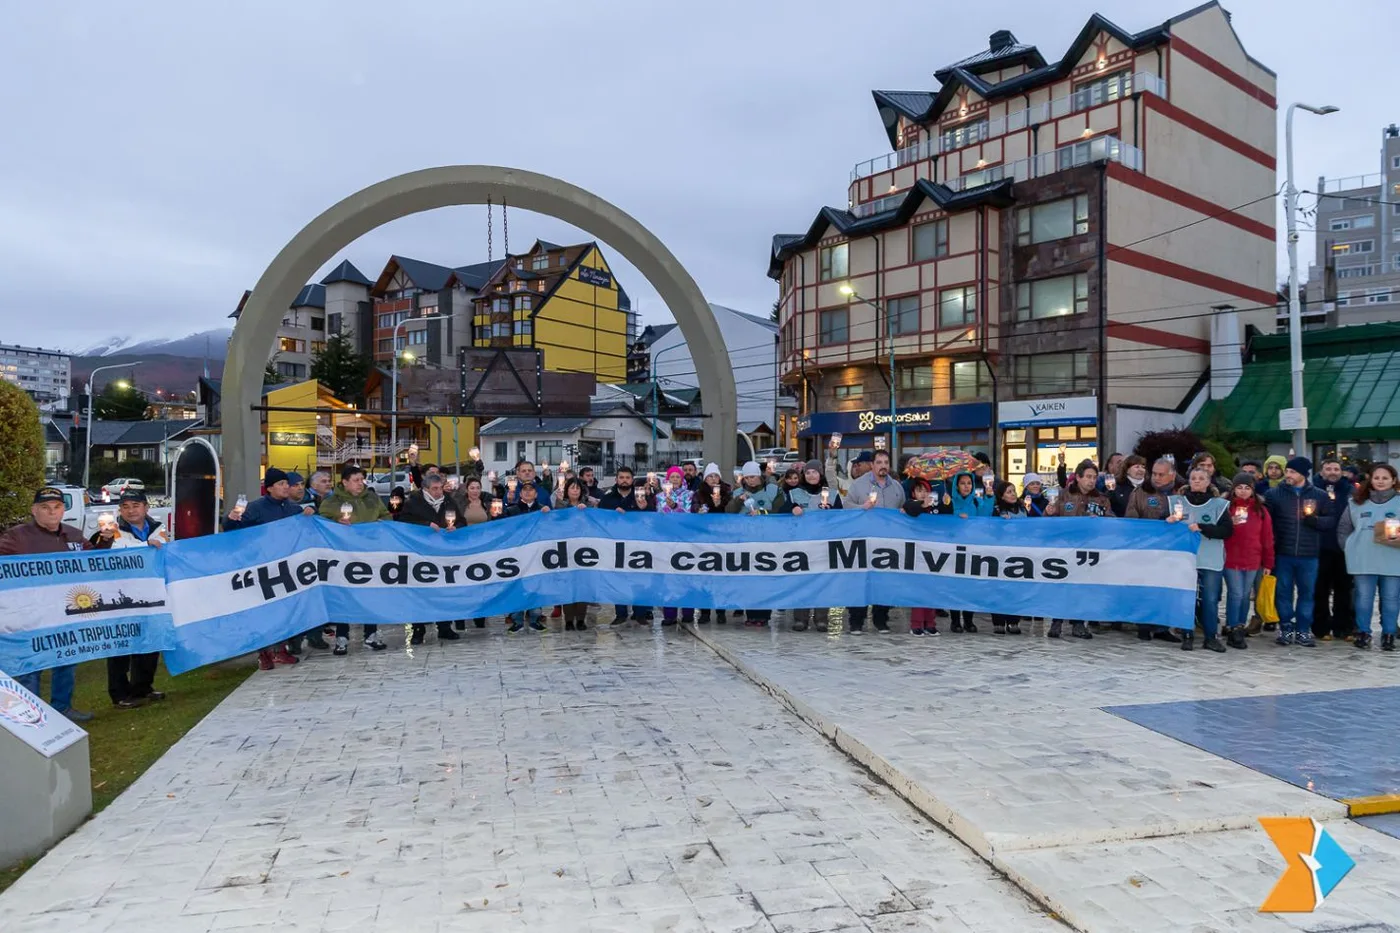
(836, 441)
(874, 495)
(563, 465)
(651, 478)
(346, 510)
(491, 477)
(451, 518)
(988, 481)
(1028, 501)
(641, 497)
(495, 508)
(1309, 507)
(1332, 492)
(665, 487)
(240, 504)
(1392, 528)
(772, 465)
(826, 496)
(510, 485)
(1178, 510)
(1241, 515)
(474, 453)
(752, 505)
(1110, 483)
(714, 494)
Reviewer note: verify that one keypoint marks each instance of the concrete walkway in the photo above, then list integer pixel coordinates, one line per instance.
(603, 781)
(1002, 740)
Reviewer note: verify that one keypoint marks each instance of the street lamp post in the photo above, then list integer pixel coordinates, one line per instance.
(850, 292)
(87, 437)
(655, 395)
(394, 400)
(1295, 324)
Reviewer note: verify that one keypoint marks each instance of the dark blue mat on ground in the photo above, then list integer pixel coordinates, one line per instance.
(1338, 743)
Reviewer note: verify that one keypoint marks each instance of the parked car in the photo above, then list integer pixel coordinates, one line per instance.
(120, 485)
(792, 456)
(384, 483)
(773, 453)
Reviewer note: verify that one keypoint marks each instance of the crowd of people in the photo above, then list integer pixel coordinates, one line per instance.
(1329, 539)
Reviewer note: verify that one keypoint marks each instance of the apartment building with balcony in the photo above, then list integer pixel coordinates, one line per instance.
(1355, 276)
(1043, 249)
(564, 301)
(46, 375)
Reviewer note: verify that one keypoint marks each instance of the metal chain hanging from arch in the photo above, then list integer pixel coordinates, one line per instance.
(505, 229)
(490, 254)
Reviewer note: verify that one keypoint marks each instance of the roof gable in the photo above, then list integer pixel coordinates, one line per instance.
(429, 276)
(346, 272)
(310, 296)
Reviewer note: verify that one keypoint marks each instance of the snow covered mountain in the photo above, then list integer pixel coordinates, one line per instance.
(213, 343)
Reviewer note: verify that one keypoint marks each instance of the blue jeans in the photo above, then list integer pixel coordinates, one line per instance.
(60, 685)
(1299, 572)
(1239, 589)
(1366, 585)
(530, 615)
(1208, 601)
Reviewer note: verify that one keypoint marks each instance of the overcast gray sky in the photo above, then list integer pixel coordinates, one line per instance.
(158, 154)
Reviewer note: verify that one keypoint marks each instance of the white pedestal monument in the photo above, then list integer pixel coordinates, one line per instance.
(44, 772)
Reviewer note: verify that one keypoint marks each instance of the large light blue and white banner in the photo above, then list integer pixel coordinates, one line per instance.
(233, 593)
(65, 608)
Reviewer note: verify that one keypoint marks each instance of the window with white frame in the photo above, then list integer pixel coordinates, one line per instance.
(1103, 90)
(501, 451)
(904, 314)
(1352, 223)
(1355, 272)
(964, 135)
(540, 261)
(930, 240)
(1380, 296)
(957, 307)
(833, 326)
(1050, 298)
(1054, 220)
(549, 451)
(834, 263)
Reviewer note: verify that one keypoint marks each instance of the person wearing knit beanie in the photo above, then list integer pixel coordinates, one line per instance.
(1299, 465)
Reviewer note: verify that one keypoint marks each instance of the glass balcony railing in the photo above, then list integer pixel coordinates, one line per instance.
(887, 203)
(1091, 95)
(1057, 160)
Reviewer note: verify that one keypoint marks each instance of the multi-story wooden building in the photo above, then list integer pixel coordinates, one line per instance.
(1044, 248)
(564, 301)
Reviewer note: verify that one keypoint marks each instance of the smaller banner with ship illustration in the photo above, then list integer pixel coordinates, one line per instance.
(58, 609)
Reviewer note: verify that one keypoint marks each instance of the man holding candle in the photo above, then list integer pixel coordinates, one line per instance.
(431, 507)
(525, 476)
(626, 497)
(875, 490)
(1332, 612)
(355, 503)
(1301, 513)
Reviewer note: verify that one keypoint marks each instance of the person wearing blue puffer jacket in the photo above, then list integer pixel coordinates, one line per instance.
(965, 499)
(1302, 514)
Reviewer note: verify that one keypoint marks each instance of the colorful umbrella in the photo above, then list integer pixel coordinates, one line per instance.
(941, 463)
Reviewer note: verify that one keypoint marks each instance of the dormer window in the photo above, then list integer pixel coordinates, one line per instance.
(540, 261)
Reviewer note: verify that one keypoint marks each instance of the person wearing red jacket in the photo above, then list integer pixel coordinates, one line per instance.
(1248, 552)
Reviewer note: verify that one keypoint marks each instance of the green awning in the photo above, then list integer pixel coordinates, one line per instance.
(1349, 398)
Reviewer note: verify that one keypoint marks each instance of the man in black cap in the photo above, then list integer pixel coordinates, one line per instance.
(45, 533)
(275, 505)
(131, 677)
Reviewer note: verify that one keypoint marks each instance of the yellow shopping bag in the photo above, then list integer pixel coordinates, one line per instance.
(1264, 600)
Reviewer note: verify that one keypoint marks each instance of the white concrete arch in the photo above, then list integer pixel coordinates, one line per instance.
(445, 186)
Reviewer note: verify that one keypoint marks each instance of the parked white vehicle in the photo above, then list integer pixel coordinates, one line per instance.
(384, 483)
(120, 485)
(82, 513)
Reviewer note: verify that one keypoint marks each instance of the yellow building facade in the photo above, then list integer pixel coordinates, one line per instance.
(563, 301)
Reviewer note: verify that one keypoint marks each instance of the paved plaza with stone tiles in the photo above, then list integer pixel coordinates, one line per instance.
(734, 779)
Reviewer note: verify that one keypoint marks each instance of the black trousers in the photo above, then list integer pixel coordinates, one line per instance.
(1332, 612)
(130, 676)
(856, 614)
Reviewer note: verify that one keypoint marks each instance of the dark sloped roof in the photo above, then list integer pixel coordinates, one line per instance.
(1004, 51)
(546, 245)
(428, 276)
(310, 296)
(152, 432)
(476, 275)
(966, 72)
(532, 425)
(784, 245)
(346, 272)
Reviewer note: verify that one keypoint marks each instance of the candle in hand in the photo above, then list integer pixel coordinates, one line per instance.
(1178, 510)
(826, 496)
(1309, 507)
(496, 508)
(451, 518)
(1392, 528)
(346, 510)
(1241, 515)
(874, 495)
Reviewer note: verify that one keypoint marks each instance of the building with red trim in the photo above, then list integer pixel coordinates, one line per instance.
(1043, 249)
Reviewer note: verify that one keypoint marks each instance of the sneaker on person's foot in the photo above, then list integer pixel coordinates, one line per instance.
(1387, 642)
(281, 656)
(317, 640)
(375, 642)
(917, 631)
(956, 627)
(519, 626)
(342, 646)
(857, 631)
(1305, 639)
(970, 626)
(265, 662)
(882, 628)
(538, 626)
(1080, 630)
(1284, 639)
(1237, 637)
(1013, 628)
(1189, 642)
(998, 628)
(74, 715)
(1054, 630)
(1215, 644)
(447, 633)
